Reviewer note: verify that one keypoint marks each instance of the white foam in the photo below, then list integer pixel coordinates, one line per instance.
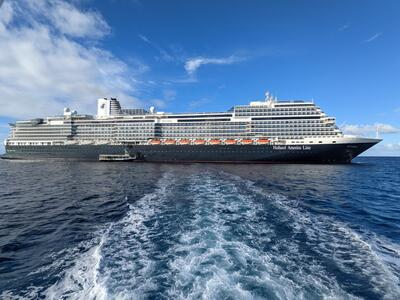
(88, 279)
(212, 266)
(215, 261)
(30, 293)
(82, 281)
(350, 251)
(130, 247)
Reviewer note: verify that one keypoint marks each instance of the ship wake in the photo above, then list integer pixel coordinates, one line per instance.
(212, 235)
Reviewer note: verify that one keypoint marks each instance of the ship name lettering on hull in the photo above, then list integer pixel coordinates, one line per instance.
(291, 148)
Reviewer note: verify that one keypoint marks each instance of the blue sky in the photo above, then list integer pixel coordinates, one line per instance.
(204, 56)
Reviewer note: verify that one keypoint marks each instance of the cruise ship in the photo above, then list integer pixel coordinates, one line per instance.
(267, 131)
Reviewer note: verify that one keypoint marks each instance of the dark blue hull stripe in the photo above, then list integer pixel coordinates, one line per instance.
(332, 153)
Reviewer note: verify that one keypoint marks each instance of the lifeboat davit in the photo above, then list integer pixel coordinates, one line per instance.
(247, 142)
(263, 141)
(155, 142)
(184, 142)
(199, 142)
(215, 142)
(169, 142)
(230, 142)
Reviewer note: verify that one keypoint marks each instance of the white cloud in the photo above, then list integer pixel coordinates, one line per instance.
(144, 38)
(168, 97)
(193, 64)
(45, 65)
(73, 22)
(375, 36)
(365, 130)
(195, 104)
(185, 79)
(6, 13)
(392, 146)
(344, 27)
(165, 55)
(390, 149)
(158, 103)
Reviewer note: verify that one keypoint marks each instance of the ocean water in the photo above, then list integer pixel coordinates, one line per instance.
(91, 230)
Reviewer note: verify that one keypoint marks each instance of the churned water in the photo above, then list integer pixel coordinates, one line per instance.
(80, 230)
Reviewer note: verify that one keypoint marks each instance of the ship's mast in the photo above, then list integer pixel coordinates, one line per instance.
(269, 99)
(377, 131)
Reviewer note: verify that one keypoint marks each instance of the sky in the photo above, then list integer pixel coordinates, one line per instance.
(191, 55)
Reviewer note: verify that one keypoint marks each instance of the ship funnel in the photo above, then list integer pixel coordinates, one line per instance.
(108, 107)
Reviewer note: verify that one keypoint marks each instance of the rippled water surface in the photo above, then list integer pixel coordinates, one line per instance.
(80, 230)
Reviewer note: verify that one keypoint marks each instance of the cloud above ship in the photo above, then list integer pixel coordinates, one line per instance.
(164, 54)
(374, 37)
(193, 64)
(51, 57)
(344, 27)
(70, 21)
(385, 149)
(370, 129)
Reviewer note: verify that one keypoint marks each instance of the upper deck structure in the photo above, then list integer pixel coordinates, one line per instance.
(272, 122)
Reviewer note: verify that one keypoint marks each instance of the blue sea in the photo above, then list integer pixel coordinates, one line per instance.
(93, 230)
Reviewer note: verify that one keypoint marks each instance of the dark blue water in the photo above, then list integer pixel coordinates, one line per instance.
(75, 230)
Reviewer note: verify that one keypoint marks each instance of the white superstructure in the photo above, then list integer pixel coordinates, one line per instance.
(282, 122)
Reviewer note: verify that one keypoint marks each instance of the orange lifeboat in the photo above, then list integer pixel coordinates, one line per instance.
(155, 142)
(184, 142)
(263, 141)
(199, 142)
(169, 142)
(230, 142)
(215, 142)
(247, 142)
